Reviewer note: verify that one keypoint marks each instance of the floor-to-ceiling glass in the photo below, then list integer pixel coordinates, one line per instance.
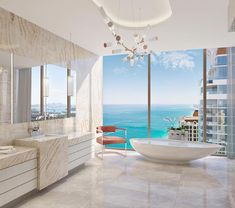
(175, 90)
(125, 96)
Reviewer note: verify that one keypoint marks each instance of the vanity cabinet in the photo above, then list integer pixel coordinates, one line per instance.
(52, 157)
(80, 149)
(42, 161)
(18, 174)
(59, 154)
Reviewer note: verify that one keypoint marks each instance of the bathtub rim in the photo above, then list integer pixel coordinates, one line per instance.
(145, 141)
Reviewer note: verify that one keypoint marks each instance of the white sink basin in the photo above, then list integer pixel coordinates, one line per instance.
(45, 135)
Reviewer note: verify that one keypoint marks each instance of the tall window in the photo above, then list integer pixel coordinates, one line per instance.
(175, 90)
(174, 93)
(125, 96)
(217, 99)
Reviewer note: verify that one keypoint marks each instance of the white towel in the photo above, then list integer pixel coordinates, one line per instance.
(6, 147)
(8, 150)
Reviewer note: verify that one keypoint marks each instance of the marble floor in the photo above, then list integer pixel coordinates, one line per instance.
(133, 182)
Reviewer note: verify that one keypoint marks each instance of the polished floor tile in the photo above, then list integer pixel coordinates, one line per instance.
(133, 182)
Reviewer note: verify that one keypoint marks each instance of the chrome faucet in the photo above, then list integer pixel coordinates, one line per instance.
(34, 129)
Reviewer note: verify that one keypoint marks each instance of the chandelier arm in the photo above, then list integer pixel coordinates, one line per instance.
(133, 51)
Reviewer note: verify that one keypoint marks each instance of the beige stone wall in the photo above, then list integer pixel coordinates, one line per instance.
(5, 87)
(10, 132)
(37, 43)
(89, 94)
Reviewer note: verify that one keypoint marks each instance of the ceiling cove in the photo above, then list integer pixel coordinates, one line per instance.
(135, 13)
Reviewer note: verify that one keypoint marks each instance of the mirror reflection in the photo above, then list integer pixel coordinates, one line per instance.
(41, 91)
(56, 98)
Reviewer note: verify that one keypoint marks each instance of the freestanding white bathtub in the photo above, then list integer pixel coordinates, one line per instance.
(172, 151)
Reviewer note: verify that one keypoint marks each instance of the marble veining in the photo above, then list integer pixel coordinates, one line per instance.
(52, 158)
(21, 155)
(134, 182)
(5, 115)
(29, 40)
(10, 132)
(26, 39)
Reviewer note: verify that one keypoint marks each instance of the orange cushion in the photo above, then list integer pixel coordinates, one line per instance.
(110, 140)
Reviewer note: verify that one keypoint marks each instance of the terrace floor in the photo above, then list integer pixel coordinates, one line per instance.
(133, 182)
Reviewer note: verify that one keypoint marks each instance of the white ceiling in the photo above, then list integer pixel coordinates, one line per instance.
(133, 13)
(193, 24)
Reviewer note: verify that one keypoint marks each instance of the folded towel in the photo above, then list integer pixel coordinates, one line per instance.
(6, 147)
(8, 151)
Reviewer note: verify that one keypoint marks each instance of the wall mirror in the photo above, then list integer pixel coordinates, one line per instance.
(42, 91)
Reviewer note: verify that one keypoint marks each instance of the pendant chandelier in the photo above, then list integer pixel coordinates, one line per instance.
(134, 53)
(133, 9)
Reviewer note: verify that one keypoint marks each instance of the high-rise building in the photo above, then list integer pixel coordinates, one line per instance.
(231, 103)
(217, 99)
(191, 126)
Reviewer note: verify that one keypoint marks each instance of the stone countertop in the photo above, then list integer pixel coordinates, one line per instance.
(77, 137)
(41, 138)
(73, 138)
(21, 155)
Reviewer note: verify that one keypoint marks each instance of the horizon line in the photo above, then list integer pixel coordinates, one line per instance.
(151, 104)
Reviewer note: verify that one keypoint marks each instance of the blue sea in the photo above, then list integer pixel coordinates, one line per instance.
(134, 119)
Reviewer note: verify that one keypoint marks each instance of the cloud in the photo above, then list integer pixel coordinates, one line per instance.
(139, 66)
(175, 60)
(120, 70)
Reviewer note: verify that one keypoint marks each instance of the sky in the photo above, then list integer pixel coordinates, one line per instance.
(175, 79)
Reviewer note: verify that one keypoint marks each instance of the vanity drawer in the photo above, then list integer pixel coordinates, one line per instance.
(80, 153)
(17, 169)
(80, 146)
(17, 180)
(79, 161)
(17, 192)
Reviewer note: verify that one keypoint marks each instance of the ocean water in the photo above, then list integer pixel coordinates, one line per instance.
(134, 119)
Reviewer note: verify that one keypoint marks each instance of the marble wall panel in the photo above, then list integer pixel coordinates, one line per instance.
(5, 90)
(89, 94)
(24, 38)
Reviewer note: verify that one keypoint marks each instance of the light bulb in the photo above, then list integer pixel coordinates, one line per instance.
(125, 59)
(136, 59)
(132, 62)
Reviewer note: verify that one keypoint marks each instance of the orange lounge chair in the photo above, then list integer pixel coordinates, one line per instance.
(107, 139)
